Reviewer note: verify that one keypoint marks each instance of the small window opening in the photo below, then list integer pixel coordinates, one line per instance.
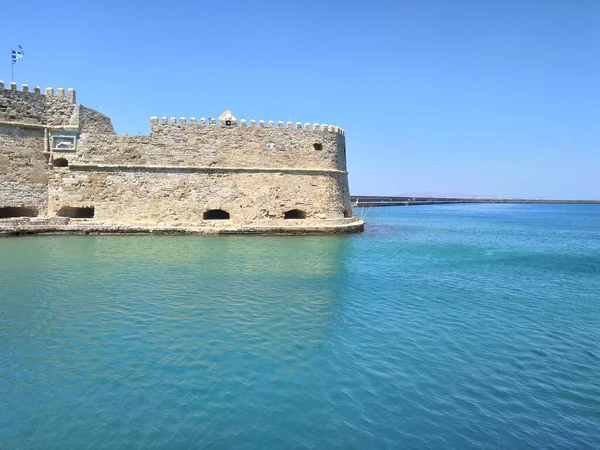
(215, 214)
(318, 146)
(270, 145)
(294, 214)
(76, 213)
(18, 211)
(60, 162)
(228, 123)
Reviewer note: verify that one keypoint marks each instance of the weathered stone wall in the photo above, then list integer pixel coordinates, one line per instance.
(94, 122)
(23, 168)
(19, 106)
(32, 107)
(60, 110)
(300, 168)
(181, 196)
(255, 172)
(219, 146)
(107, 148)
(27, 121)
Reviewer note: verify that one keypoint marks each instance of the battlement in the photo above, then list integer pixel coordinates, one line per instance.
(70, 94)
(243, 123)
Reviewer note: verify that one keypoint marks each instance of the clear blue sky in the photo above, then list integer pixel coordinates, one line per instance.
(494, 97)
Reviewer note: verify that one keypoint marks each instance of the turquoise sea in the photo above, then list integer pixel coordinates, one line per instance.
(443, 327)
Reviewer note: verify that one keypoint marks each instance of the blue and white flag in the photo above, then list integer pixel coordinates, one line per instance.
(17, 54)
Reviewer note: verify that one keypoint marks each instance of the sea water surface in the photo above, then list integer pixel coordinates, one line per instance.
(448, 326)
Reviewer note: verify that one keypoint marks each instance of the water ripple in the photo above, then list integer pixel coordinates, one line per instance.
(443, 327)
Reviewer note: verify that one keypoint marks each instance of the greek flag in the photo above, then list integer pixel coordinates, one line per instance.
(17, 54)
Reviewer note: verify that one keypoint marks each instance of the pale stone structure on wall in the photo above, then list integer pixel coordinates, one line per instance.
(59, 159)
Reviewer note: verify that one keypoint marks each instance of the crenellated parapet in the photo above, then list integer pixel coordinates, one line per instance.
(56, 110)
(32, 106)
(69, 94)
(231, 142)
(243, 123)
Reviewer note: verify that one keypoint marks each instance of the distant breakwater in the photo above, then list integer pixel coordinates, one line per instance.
(362, 200)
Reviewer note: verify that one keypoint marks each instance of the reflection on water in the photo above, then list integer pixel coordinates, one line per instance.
(236, 286)
(119, 330)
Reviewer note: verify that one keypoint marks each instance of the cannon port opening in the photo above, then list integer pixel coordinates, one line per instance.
(18, 211)
(294, 214)
(86, 212)
(215, 214)
(60, 162)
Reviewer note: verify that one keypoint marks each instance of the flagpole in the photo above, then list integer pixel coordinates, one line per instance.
(15, 56)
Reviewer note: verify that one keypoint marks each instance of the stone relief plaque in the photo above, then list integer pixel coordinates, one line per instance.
(63, 143)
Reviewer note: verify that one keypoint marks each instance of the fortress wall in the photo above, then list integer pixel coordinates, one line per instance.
(180, 197)
(341, 153)
(217, 146)
(182, 169)
(32, 107)
(23, 168)
(108, 148)
(21, 106)
(92, 121)
(61, 110)
(247, 146)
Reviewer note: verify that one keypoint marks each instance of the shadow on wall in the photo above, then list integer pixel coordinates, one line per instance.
(294, 214)
(215, 214)
(76, 213)
(60, 162)
(18, 211)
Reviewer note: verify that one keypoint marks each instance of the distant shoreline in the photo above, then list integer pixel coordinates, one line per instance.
(369, 200)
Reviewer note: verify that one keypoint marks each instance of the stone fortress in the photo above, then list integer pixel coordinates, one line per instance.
(64, 169)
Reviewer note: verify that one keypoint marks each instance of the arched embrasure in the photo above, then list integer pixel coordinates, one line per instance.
(60, 162)
(215, 214)
(294, 214)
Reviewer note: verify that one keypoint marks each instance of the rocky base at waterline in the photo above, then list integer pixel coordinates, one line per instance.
(24, 226)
